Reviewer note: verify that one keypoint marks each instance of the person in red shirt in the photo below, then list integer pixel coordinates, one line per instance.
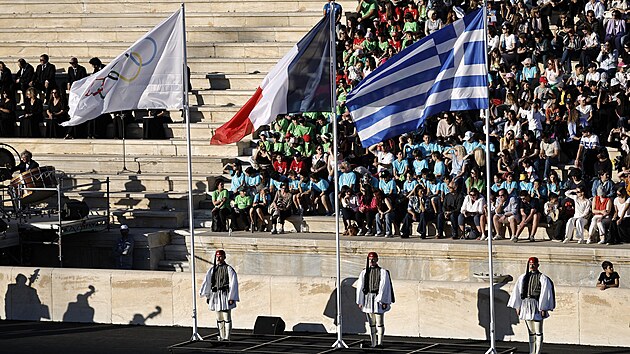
(297, 164)
(279, 165)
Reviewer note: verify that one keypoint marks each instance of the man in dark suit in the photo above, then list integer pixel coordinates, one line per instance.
(6, 80)
(24, 76)
(76, 72)
(44, 80)
(26, 163)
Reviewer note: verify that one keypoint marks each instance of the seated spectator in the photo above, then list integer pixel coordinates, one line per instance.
(587, 152)
(582, 213)
(552, 214)
(530, 213)
(241, 210)
(601, 206)
(472, 214)
(549, 153)
(258, 213)
(318, 197)
(620, 224)
(506, 212)
(221, 210)
(349, 207)
(384, 214)
(368, 206)
(608, 187)
(608, 278)
(475, 181)
(281, 209)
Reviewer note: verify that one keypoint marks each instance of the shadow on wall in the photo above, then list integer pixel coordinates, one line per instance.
(353, 319)
(504, 316)
(21, 301)
(139, 319)
(80, 310)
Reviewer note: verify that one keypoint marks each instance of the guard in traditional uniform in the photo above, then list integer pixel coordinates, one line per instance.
(220, 287)
(532, 298)
(375, 295)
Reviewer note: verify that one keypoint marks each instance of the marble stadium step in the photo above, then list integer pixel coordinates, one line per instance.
(174, 266)
(155, 148)
(111, 165)
(125, 33)
(199, 66)
(212, 114)
(223, 97)
(165, 7)
(151, 218)
(176, 252)
(326, 224)
(154, 201)
(33, 49)
(234, 81)
(137, 183)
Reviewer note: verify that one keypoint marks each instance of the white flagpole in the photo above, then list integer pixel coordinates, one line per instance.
(339, 343)
(191, 225)
(492, 348)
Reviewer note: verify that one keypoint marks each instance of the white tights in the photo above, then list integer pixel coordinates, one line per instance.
(535, 329)
(377, 328)
(224, 324)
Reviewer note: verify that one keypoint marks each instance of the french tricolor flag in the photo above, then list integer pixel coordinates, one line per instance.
(300, 82)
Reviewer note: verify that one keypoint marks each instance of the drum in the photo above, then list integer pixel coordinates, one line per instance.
(41, 177)
(7, 163)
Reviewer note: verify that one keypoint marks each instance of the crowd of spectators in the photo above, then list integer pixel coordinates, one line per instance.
(36, 99)
(558, 93)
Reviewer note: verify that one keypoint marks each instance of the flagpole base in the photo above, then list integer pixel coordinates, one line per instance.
(196, 337)
(125, 170)
(339, 343)
(491, 351)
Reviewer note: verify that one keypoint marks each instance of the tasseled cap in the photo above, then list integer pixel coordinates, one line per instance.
(372, 255)
(532, 260)
(220, 253)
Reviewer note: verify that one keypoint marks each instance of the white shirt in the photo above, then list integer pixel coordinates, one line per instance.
(620, 206)
(473, 207)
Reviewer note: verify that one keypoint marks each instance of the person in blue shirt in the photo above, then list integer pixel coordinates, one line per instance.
(409, 147)
(318, 195)
(338, 10)
(386, 184)
(252, 177)
(498, 181)
(304, 191)
(259, 211)
(238, 177)
(439, 167)
(347, 177)
(470, 142)
(400, 166)
(419, 162)
(605, 182)
(510, 185)
(427, 146)
(409, 185)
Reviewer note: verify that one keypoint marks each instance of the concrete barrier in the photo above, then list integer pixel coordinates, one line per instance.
(584, 315)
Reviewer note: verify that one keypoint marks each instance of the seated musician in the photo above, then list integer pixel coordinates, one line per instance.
(26, 163)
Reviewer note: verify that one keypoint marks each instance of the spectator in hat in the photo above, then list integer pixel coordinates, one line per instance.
(123, 251)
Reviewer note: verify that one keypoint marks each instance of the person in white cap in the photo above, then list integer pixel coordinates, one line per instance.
(220, 288)
(375, 295)
(123, 252)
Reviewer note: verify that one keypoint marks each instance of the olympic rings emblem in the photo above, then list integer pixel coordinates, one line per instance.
(131, 59)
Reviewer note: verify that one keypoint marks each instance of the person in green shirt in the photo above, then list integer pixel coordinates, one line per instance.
(367, 9)
(242, 204)
(221, 211)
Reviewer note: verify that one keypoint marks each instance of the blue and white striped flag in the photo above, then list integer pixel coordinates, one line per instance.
(445, 71)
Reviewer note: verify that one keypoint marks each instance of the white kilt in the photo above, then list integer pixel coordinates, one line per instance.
(219, 301)
(529, 310)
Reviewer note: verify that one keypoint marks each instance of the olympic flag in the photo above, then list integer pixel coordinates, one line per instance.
(148, 75)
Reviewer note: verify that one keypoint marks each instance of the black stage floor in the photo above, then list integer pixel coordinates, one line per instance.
(17, 337)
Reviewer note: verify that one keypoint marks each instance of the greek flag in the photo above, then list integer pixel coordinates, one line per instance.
(445, 71)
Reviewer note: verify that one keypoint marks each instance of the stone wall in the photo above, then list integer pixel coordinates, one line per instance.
(584, 315)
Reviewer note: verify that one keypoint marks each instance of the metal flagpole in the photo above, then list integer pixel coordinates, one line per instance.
(492, 348)
(191, 225)
(339, 343)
